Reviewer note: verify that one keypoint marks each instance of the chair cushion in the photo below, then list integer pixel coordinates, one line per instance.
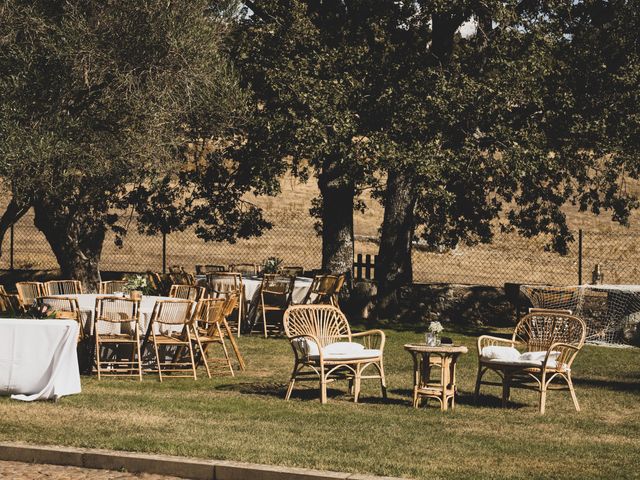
(338, 350)
(500, 353)
(527, 359)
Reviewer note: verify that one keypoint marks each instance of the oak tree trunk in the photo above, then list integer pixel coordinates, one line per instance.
(75, 241)
(337, 223)
(393, 266)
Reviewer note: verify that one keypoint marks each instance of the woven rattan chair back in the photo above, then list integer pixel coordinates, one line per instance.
(244, 268)
(540, 329)
(323, 288)
(325, 322)
(28, 292)
(63, 287)
(9, 304)
(187, 292)
(112, 286)
(117, 321)
(291, 271)
(231, 303)
(64, 308)
(209, 314)
(116, 310)
(276, 284)
(172, 312)
(204, 269)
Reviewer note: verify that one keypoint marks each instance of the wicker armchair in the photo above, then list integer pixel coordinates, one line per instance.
(63, 287)
(324, 347)
(551, 339)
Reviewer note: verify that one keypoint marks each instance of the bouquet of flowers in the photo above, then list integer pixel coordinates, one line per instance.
(136, 282)
(271, 265)
(41, 311)
(436, 327)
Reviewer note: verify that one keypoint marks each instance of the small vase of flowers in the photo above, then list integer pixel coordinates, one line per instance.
(136, 286)
(433, 332)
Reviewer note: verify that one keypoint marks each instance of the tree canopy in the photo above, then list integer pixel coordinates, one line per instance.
(111, 105)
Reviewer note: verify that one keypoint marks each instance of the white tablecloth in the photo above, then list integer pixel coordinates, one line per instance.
(38, 358)
(252, 284)
(87, 305)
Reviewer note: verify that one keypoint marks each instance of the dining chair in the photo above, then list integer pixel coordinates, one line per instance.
(63, 287)
(208, 329)
(28, 292)
(64, 308)
(222, 285)
(187, 292)
(170, 327)
(111, 286)
(117, 322)
(275, 296)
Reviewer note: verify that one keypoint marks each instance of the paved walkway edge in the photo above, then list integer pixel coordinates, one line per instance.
(191, 468)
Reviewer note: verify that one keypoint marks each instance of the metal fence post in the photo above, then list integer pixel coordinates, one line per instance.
(580, 257)
(11, 240)
(164, 253)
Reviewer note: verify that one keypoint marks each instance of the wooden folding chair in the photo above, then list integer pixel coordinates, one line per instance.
(244, 268)
(64, 308)
(204, 269)
(224, 284)
(291, 271)
(63, 287)
(117, 322)
(28, 292)
(275, 296)
(9, 304)
(187, 292)
(111, 287)
(323, 290)
(170, 327)
(208, 328)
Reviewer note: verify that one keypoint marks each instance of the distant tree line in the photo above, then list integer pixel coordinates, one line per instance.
(462, 117)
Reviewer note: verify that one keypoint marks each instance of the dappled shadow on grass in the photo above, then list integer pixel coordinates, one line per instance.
(486, 401)
(617, 385)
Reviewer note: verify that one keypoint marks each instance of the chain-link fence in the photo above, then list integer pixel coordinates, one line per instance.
(509, 258)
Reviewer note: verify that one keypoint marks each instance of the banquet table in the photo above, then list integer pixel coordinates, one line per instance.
(252, 287)
(38, 358)
(87, 304)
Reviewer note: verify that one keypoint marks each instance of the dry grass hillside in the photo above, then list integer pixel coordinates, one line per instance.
(509, 258)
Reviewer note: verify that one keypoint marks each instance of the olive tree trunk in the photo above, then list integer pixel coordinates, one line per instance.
(393, 266)
(337, 223)
(75, 241)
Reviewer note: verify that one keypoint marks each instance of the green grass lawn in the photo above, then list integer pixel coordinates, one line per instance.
(245, 419)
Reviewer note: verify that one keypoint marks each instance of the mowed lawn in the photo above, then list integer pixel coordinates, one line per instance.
(246, 419)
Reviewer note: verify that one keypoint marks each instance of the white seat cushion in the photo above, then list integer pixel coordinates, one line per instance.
(500, 353)
(338, 350)
(529, 359)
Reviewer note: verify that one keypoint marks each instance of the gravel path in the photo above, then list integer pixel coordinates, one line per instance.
(30, 471)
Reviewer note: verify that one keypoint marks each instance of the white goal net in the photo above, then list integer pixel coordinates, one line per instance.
(611, 312)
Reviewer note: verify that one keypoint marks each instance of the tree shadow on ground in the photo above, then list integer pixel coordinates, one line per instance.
(617, 385)
(486, 401)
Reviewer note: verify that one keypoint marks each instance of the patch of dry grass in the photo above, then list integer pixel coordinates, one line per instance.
(246, 419)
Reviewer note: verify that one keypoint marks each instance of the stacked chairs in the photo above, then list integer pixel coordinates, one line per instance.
(205, 269)
(244, 268)
(224, 284)
(64, 308)
(170, 326)
(63, 287)
(28, 292)
(187, 292)
(111, 287)
(117, 323)
(209, 328)
(275, 296)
